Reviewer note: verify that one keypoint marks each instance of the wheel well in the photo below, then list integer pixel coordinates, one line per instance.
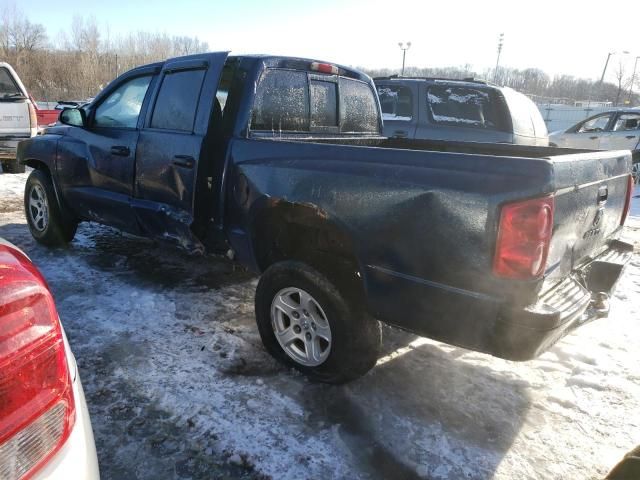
(304, 233)
(38, 165)
(42, 166)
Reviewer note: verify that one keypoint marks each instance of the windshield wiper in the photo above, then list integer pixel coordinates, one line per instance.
(13, 96)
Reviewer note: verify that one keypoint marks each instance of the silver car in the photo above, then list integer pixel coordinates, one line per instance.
(45, 430)
(615, 130)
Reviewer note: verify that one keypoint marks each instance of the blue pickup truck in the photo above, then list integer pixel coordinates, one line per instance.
(280, 163)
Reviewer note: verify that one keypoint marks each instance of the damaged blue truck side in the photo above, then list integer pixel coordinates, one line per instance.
(280, 163)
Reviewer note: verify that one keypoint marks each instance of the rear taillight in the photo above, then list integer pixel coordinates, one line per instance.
(523, 240)
(33, 119)
(37, 410)
(627, 202)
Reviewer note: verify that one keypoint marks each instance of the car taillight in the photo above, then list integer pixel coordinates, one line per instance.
(523, 240)
(33, 119)
(37, 410)
(627, 202)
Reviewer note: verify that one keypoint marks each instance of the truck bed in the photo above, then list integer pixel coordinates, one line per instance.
(426, 213)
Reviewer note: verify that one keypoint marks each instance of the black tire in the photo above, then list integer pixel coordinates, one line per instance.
(356, 338)
(12, 166)
(58, 230)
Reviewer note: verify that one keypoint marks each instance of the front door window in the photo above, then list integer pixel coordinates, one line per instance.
(122, 107)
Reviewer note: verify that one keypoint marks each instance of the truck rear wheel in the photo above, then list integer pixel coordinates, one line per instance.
(46, 222)
(304, 322)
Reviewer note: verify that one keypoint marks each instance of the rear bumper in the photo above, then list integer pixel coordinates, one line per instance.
(522, 334)
(489, 324)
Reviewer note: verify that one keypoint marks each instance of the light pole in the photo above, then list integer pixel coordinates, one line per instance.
(606, 64)
(404, 47)
(500, 44)
(633, 79)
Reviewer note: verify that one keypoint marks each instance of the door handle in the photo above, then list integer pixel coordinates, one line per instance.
(399, 134)
(186, 161)
(593, 138)
(120, 150)
(630, 136)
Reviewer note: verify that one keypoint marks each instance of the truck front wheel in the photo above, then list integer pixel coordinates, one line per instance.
(306, 323)
(46, 222)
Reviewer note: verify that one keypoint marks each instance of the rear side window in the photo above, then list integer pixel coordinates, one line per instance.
(177, 100)
(8, 86)
(627, 121)
(282, 102)
(359, 112)
(464, 107)
(396, 102)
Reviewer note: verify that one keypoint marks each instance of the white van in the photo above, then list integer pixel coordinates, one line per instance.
(18, 120)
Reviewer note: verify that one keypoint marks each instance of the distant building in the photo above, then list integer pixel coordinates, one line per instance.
(591, 103)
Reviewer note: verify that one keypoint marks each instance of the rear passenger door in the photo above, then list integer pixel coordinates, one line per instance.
(170, 147)
(624, 134)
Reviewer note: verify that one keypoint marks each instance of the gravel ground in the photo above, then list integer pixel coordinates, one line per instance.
(179, 386)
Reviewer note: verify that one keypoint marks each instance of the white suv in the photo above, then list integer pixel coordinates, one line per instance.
(18, 120)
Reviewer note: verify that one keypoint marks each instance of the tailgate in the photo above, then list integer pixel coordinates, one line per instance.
(14, 105)
(591, 190)
(14, 118)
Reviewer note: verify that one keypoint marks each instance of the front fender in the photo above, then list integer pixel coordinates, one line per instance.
(39, 150)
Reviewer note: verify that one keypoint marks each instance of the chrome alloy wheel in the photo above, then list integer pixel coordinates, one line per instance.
(301, 326)
(38, 208)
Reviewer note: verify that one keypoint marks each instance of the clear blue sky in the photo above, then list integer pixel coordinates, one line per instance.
(559, 36)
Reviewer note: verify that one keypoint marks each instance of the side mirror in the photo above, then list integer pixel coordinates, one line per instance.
(75, 117)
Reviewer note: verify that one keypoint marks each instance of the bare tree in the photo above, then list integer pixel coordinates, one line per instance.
(622, 80)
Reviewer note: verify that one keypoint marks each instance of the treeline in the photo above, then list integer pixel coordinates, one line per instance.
(83, 61)
(539, 85)
(79, 63)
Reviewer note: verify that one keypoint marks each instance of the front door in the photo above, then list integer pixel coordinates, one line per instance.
(170, 147)
(98, 171)
(589, 132)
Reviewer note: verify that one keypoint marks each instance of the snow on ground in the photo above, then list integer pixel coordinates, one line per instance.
(179, 386)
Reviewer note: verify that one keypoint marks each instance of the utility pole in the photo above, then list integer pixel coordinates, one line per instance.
(633, 79)
(404, 47)
(606, 64)
(500, 44)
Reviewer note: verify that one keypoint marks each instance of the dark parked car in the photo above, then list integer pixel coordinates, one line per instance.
(281, 163)
(468, 110)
